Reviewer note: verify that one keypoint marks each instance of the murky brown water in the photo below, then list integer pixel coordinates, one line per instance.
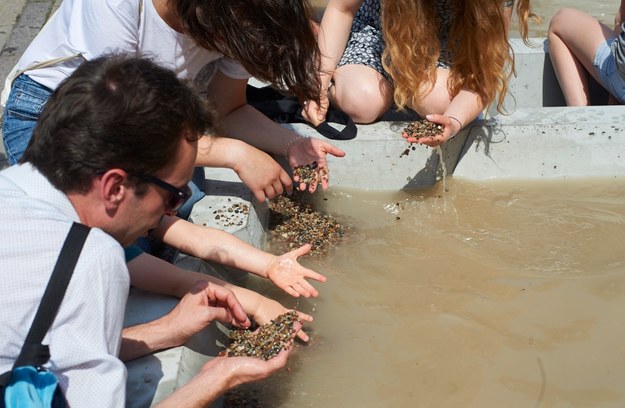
(500, 294)
(604, 10)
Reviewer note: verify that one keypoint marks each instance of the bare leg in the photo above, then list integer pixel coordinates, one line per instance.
(361, 92)
(574, 37)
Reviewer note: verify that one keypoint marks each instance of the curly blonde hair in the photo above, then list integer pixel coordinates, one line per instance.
(482, 61)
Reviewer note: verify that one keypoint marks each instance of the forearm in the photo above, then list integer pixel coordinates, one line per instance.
(241, 121)
(155, 275)
(251, 126)
(464, 107)
(224, 152)
(333, 35)
(203, 389)
(215, 245)
(143, 339)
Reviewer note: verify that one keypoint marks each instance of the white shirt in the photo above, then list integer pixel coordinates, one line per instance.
(93, 28)
(85, 337)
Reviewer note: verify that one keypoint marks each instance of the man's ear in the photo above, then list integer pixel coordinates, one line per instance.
(113, 187)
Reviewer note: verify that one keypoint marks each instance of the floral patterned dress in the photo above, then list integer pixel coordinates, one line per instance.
(366, 42)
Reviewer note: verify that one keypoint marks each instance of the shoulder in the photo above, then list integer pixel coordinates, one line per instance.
(105, 12)
(103, 252)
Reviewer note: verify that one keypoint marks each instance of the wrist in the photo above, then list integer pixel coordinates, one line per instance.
(293, 142)
(250, 301)
(457, 125)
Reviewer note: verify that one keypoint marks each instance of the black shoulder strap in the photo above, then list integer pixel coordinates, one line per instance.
(33, 352)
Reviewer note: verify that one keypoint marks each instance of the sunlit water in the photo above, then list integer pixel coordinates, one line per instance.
(502, 294)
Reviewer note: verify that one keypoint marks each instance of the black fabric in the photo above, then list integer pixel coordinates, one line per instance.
(287, 109)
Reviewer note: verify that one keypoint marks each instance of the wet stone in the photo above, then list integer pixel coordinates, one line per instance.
(419, 129)
(423, 128)
(305, 174)
(266, 341)
(294, 222)
(232, 215)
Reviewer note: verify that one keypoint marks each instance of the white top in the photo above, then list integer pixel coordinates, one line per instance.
(85, 337)
(92, 28)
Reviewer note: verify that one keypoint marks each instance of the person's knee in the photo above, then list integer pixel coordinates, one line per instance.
(364, 104)
(562, 16)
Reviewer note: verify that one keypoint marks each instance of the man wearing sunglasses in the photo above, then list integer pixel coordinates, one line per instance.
(116, 162)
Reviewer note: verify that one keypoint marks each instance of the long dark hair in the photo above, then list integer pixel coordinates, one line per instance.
(273, 40)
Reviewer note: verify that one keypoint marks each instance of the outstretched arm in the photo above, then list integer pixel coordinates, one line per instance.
(152, 274)
(222, 247)
(256, 169)
(245, 123)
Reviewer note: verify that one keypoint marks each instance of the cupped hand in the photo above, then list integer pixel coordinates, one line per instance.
(316, 113)
(313, 152)
(289, 275)
(250, 369)
(202, 305)
(263, 175)
(451, 128)
(270, 309)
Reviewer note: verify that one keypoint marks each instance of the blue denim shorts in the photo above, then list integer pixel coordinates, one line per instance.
(22, 110)
(605, 66)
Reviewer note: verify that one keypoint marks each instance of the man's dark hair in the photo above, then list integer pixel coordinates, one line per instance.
(274, 40)
(115, 112)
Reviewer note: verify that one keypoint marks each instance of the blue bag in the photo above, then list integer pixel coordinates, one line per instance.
(30, 387)
(28, 384)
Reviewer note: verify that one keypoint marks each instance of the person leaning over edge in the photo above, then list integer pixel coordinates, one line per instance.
(270, 40)
(102, 157)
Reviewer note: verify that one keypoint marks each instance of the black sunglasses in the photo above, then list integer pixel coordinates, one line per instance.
(178, 196)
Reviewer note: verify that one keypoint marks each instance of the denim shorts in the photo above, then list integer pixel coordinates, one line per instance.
(605, 67)
(22, 110)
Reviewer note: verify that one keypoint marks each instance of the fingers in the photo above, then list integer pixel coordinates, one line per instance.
(285, 180)
(313, 117)
(291, 291)
(260, 195)
(301, 251)
(314, 113)
(306, 289)
(334, 151)
(315, 276)
(277, 187)
(431, 141)
(304, 317)
(231, 309)
(301, 334)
